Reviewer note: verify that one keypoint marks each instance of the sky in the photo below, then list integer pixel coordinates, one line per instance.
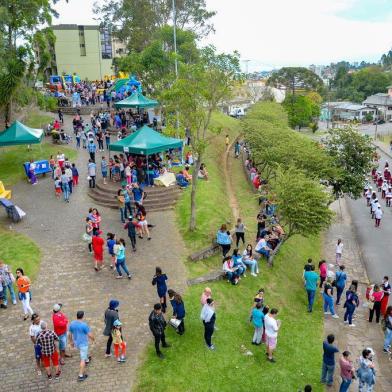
(276, 33)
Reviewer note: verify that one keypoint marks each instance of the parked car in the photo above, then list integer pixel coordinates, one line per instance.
(379, 122)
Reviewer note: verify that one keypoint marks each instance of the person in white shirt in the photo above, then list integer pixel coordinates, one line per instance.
(34, 330)
(208, 317)
(368, 195)
(384, 188)
(271, 326)
(378, 215)
(339, 251)
(374, 205)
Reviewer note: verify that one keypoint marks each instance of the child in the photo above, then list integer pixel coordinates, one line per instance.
(75, 175)
(118, 342)
(57, 187)
(110, 243)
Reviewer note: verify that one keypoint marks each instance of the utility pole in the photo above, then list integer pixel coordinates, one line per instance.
(246, 67)
(175, 58)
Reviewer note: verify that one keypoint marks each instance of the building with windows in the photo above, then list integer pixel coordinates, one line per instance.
(382, 103)
(84, 50)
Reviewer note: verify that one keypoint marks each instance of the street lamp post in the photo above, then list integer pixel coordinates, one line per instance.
(175, 56)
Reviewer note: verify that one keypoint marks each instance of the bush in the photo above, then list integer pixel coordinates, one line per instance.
(46, 102)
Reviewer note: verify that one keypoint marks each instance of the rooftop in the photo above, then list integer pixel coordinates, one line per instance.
(74, 27)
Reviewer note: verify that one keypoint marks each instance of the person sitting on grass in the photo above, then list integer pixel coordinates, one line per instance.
(186, 174)
(230, 271)
(203, 173)
(248, 259)
(262, 248)
(238, 263)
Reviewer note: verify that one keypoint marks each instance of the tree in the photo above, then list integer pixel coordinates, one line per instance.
(302, 202)
(300, 110)
(352, 152)
(155, 63)
(196, 94)
(136, 21)
(296, 78)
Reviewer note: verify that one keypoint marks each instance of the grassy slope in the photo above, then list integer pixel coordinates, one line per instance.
(37, 120)
(190, 367)
(19, 251)
(12, 159)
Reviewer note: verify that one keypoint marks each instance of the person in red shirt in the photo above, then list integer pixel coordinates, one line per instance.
(98, 244)
(60, 325)
(375, 298)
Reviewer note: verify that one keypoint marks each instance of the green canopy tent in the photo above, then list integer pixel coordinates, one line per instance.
(145, 141)
(136, 100)
(19, 133)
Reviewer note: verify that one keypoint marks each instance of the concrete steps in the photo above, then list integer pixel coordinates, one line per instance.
(158, 199)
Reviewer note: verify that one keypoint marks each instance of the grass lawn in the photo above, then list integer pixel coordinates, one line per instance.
(18, 250)
(189, 366)
(12, 159)
(37, 120)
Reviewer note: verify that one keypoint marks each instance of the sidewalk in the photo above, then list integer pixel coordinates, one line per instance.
(364, 334)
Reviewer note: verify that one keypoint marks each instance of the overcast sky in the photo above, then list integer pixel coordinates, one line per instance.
(274, 33)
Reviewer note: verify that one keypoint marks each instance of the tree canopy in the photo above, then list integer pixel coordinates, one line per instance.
(296, 78)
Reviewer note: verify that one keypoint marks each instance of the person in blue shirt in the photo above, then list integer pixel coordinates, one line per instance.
(127, 200)
(104, 169)
(340, 280)
(311, 278)
(110, 242)
(92, 148)
(179, 312)
(257, 317)
(80, 334)
(238, 263)
(138, 193)
(328, 367)
(159, 280)
(223, 238)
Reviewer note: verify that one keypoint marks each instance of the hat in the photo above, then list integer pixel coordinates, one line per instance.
(117, 323)
(57, 307)
(113, 304)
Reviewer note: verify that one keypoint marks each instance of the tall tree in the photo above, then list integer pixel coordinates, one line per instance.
(352, 152)
(136, 21)
(196, 94)
(296, 78)
(299, 109)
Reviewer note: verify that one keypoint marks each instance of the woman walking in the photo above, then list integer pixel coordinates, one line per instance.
(366, 373)
(23, 283)
(351, 304)
(375, 298)
(323, 273)
(89, 234)
(179, 312)
(223, 238)
(248, 259)
(258, 323)
(386, 288)
(143, 224)
(339, 251)
(96, 218)
(120, 259)
(328, 299)
(110, 316)
(208, 317)
(159, 280)
(239, 232)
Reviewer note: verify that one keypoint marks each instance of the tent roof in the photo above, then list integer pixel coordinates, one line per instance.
(145, 141)
(19, 133)
(136, 100)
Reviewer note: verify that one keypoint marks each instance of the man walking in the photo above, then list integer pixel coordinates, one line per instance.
(92, 148)
(92, 172)
(208, 317)
(311, 279)
(271, 331)
(131, 227)
(80, 334)
(60, 324)
(47, 340)
(328, 367)
(157, 325)
(7, 284)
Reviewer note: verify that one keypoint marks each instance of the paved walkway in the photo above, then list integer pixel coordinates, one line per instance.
(364, 334)
(67, 276)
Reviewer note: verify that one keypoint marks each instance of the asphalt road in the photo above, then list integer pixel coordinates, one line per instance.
(375, 243)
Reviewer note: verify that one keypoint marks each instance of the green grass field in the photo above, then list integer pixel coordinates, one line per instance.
(37, 120)
(189, 366)
(18, 250)
(12, 159)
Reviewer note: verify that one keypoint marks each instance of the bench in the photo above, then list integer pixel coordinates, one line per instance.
(4, 193)
(14, 212)
(41, 167)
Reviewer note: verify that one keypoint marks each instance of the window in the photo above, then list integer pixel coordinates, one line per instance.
(106, 44)
(82, 42)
